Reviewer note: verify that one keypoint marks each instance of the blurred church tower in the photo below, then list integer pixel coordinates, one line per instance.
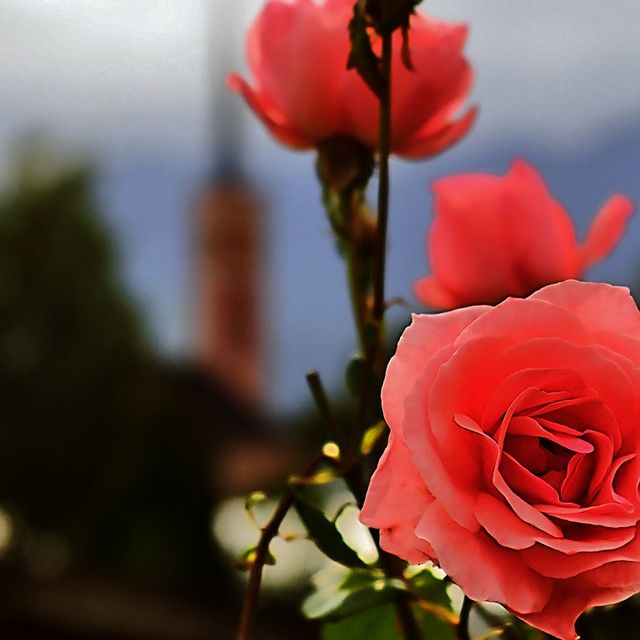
(230, 239)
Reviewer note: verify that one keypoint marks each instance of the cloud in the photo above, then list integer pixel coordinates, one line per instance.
(143, 73)
(105, 68)
(562, 71)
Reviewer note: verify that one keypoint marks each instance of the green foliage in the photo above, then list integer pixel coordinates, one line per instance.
(435, 628)
(254, 499)
(247, 559)
(345, 594)
(70, 343)
(431, 589)
(378, 623)
(381, 16)
(433, 609)
(523, 631)
(361, 604)
(362, 57)
(103, 445)
(602, 623)
(324, 532)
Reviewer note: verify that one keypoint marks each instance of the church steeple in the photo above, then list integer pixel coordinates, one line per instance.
(230, 239)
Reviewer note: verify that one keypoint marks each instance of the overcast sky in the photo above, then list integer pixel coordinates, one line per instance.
(122, 72)
(132, 79)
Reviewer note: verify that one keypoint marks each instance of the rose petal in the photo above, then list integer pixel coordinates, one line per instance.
(496, 574)
(271, 118)
(502, 524)
(523, 320)
(605, 376)
(556, 564)
(590, 539)
(600, 307)
(447, 478)
(552, 385)
(604, 585)
(527, 426)
(433, 294)
(528, 486)
(300, 71)
(491, 459)
(606, 230)
(425, 144)
(397, 519)
(426, 336)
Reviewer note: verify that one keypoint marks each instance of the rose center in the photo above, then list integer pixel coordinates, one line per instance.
(544, 458)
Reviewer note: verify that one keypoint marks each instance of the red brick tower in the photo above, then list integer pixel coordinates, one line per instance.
(229, 315)
(230, 235)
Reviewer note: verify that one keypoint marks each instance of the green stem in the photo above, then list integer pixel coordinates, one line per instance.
(391, 565)
(314, 381)
(269, 532)
(351, 203)
(383, 183)
(252, 593)
(375, 341)
(405, 615)
(462, 630)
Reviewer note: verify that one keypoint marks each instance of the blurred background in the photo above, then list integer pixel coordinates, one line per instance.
(167, 276)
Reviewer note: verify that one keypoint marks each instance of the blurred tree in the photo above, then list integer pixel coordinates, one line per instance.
(66, 336)
(105, 450)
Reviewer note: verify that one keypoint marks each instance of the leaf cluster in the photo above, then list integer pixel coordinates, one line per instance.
(381, 17)
(361, 604)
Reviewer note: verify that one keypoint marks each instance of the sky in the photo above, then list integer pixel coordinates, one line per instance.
(137, 86)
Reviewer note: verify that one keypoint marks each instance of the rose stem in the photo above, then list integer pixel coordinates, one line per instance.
(406, 618)
(462, 630)
(354, 268)
(380, 250)
(383, 183)
(269, 532)
(353, 478)
(319, 395)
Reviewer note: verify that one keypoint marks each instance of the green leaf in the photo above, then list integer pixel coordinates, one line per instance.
(324, 533)
(254, 499)
(362, 57)
(247, 559)
(358, 591)
(431, 589)
(434, 611)
(378, 623)
(529, 633)
(435, 628)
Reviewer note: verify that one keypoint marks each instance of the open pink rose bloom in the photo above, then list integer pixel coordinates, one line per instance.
(297, 52)
(514, 456)
(496, 236)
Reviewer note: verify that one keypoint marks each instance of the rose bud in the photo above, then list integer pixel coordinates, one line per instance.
(514, 456)
(496, 236)
(304, 94)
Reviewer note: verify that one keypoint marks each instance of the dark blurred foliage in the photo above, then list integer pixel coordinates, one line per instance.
(604, 623)
(97, 450)
(107, 452)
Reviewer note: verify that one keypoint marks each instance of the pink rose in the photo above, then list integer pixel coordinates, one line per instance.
(495, 236)
(513, 461)
(304, 94)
